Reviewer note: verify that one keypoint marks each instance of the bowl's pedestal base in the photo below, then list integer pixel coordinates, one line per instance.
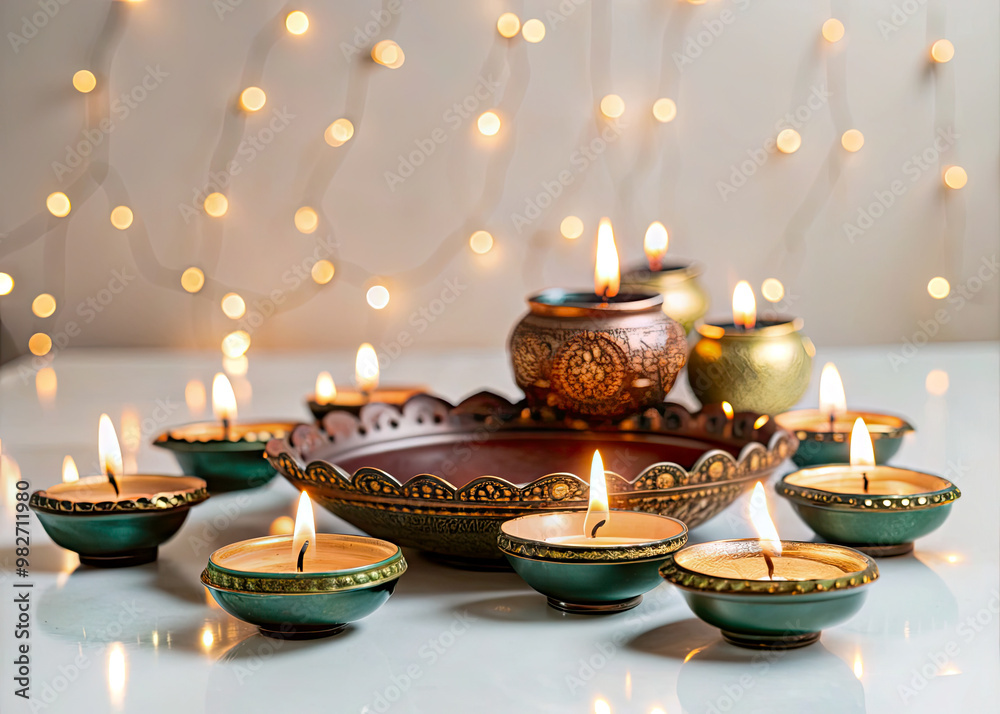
(595, 608)
(303, 632)
(770, 642)
(124, 560)
(885, 551)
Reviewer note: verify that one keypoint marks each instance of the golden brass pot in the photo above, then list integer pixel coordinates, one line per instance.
(684, 299)
(588, 358)
(765, 369)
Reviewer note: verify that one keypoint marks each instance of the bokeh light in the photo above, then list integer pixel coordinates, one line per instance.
(571, 227)
(235, 344)
(253, 99)
(955, 177)
(84, 81)
(788, 141)
(192, 279)
(481, 242)
(377, 296)
(772, 290)
(216, 205)
(488, 123)
(58, 204)
(938, 288)
(852, 140)
(533, 31)
(306, 219)
(297, 22)
(833, 30)
(40, 344)
(43, 305)
(6, 284)
(937, 382)
(942, 51)
(339, 132)
(664, 110)
(612, 106)
(508, 24)
(121, 217)
(322, 272)
(233, 306)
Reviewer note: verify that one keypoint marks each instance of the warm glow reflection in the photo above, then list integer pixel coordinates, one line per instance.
(761, 519)
(571, 227)
(488, 123)
(207, 637)
(253, 99)
(508, 25)
(282, 525)
(597, 510)
(606, 274)
(10, 474)
(236, 366)
(117, 674)
(108, 449)
(601, 707)
(326, 390)
(744, 306)
(46, 384)
(377, 296)
(223, 398)
(788, 141)
(297, 22)
(937, 382)
(236, 343)
(612, 106)
(195, 397)
(366, 368)
(654, 245)
(69, 471)
(859, 668)
(831, 392)
(953, 558)
(305, 530)
(131, 438)
(862, 451)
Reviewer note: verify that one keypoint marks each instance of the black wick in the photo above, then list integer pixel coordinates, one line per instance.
(114, 483)
(832, 421)
(302, 555)
(225, 428)
(593, 531)
(864, 478)
(769, 563)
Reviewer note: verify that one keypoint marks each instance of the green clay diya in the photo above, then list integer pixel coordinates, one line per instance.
(305, 585)
(591, 562)
(824, 433)
(878, 509)
(812, 586)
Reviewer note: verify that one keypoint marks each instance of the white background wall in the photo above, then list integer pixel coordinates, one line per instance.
(734, 69)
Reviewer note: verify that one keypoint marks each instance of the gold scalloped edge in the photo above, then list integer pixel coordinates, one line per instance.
(536, 550)
(708, 584)
(162, 502)
(855, 502)
(296, 585)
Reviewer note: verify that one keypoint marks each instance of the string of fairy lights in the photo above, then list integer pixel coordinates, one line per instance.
(388, 54)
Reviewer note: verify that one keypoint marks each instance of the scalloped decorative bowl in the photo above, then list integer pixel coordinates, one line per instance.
(230, 464)
(442, 478)
(818, 445)
(117, 533)
(880, 525)
(770, 614)
(591, 579)
(291, 605)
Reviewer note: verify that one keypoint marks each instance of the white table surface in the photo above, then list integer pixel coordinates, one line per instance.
(450, 640)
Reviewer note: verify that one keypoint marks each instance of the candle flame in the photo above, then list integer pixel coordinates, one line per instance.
(69, 472)
(761, 519)
(607, 279)
(223, 398)
(761, 421)
(326, 390)
(597, 511)
(831, 392)
(862, 451)
(859, 668)
(305, 529)
(728, 409)
(108, 449)
(366, 368)
(655, 244)
(744, 306)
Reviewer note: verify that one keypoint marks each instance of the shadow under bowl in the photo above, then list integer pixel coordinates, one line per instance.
(591, 579)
